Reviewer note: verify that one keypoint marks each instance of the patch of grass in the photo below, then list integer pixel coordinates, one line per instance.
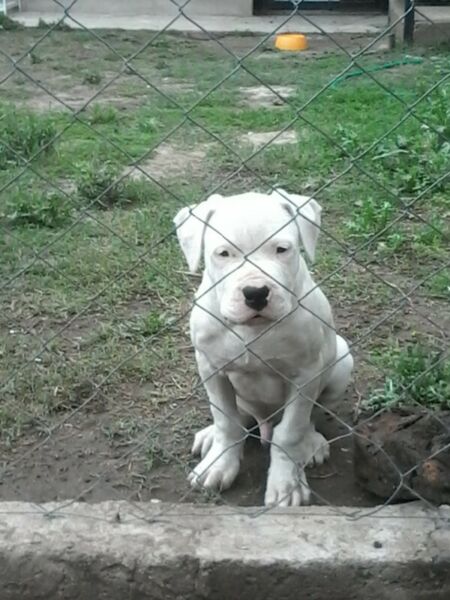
(22, 135)
(153, 322)
(97, 182)
(418, 376)
(414, 157)
(436, 113)
(220, 118)
(36, 208)
(149, 325)
(89, 352)
(137, 191)
(369, 216)
(430, 237)
(439, 285)
(411, 165)
(102, 115)
(101, 185)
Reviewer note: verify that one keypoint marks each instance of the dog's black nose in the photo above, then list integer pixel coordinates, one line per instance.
(256, 297)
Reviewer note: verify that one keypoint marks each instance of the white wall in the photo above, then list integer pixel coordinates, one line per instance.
(144, 7)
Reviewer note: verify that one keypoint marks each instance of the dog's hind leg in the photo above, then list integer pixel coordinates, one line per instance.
(340, 373)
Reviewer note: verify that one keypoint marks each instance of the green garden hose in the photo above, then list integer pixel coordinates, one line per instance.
(406, 60)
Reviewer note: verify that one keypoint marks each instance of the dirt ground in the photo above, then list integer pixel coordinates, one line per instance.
(80, 457)
(126, 451)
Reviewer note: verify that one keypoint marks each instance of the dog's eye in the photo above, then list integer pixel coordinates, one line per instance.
(281, 249)
(224, 253)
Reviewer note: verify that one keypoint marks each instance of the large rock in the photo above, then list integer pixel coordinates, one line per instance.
(404, 455)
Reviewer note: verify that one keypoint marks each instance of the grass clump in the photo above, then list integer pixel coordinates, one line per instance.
(103, 186)
(22, 135)
(36, 208)
(373, 214)
(98, 184)
(419, 377)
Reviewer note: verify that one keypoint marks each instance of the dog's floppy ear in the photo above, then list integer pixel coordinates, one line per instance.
(191, 222)
(307, 217)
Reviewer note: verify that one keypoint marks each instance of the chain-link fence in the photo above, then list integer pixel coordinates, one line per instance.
(105, 137)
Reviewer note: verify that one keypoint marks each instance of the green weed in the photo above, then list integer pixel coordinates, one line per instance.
(36, 208)
(370, 215)
(418, 376)
(437, 116)
(23, 134)
(102, 115)
(430, 236)
(97, 183)
(348, 139)
(410, 165)
(439, 285)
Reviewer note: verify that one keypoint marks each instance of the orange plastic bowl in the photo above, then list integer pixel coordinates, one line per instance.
(292, 42)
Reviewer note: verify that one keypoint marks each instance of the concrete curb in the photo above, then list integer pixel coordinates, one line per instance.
(118, 550)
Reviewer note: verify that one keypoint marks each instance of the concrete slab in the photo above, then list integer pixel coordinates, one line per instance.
(432, 25)
(331, 23)
(426, 25)
(119, 550)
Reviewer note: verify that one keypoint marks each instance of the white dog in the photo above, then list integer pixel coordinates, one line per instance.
(264, 336)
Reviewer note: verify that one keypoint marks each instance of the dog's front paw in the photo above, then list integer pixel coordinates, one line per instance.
(203, 441)
(313, 449)
(218, 469)
(286, 485)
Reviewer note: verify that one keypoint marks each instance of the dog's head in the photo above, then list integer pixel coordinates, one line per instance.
(251, 246)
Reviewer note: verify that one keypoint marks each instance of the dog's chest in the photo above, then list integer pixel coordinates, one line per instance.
(277, 352)
(258, 393)
(259, 370)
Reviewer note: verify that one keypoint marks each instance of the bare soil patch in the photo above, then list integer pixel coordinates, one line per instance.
(262, 96)
(168, 161)
(272, 138)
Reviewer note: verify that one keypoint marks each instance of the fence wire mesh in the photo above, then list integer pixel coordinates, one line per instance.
(105, 136)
